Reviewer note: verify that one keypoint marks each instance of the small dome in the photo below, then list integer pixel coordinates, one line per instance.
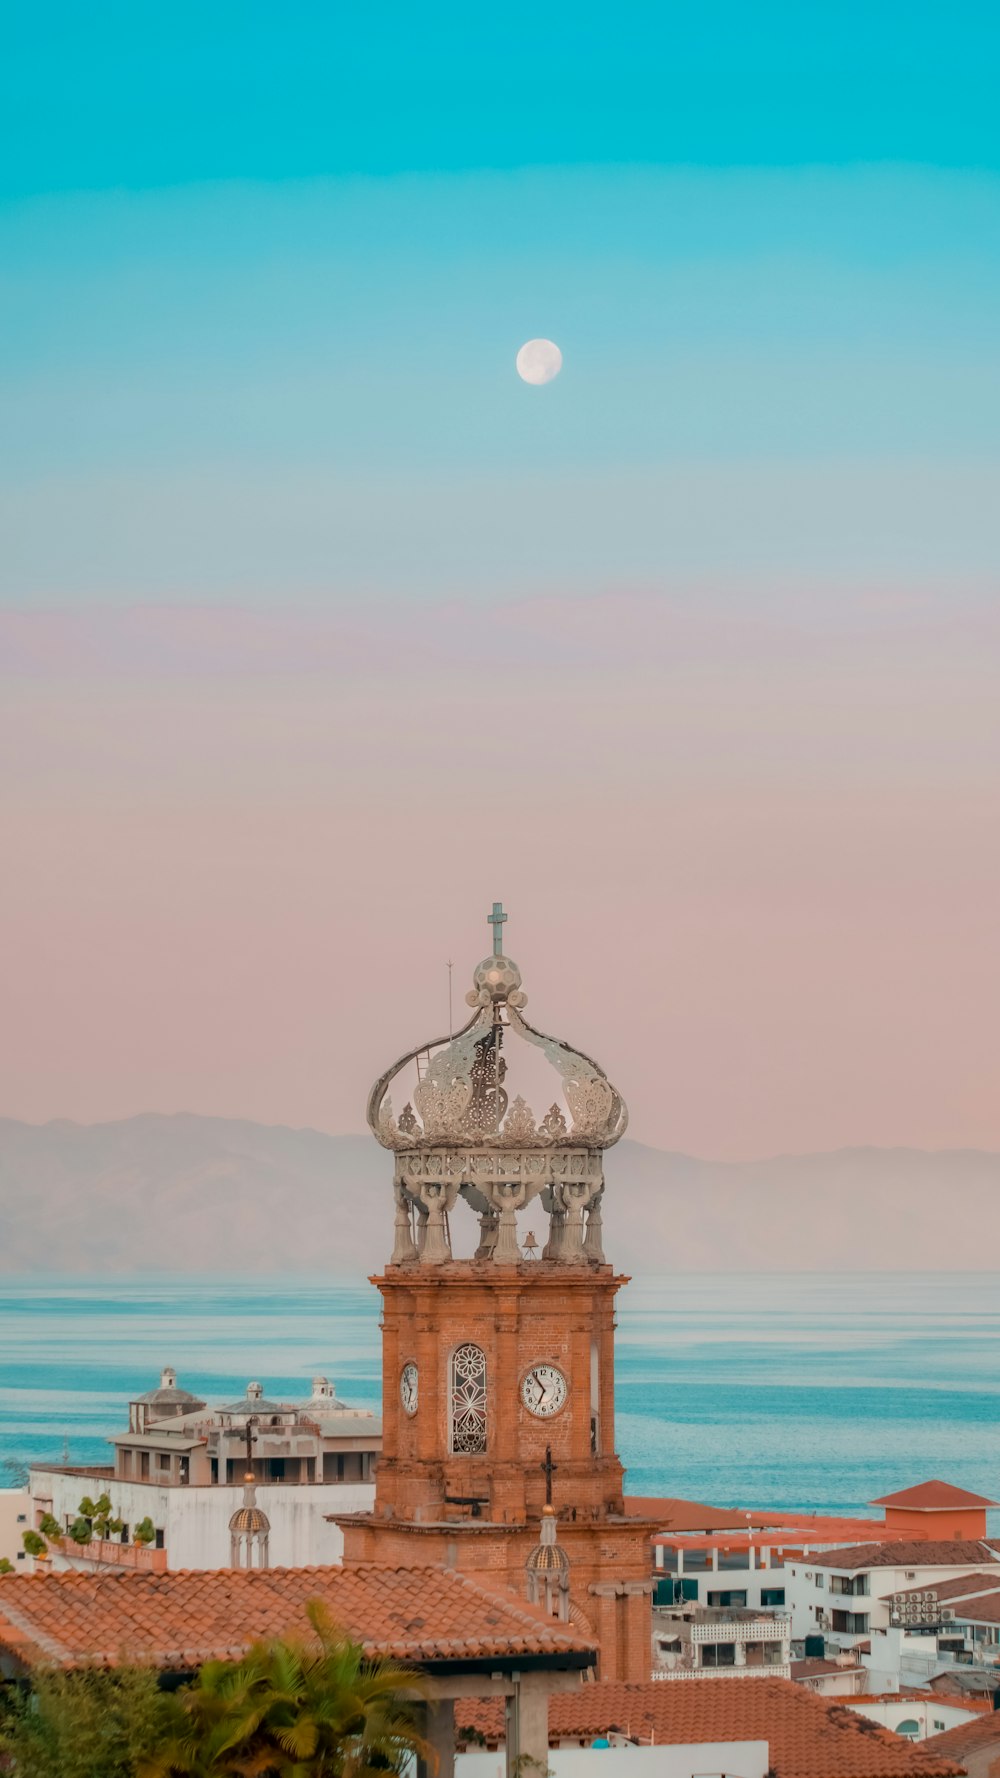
(498, 975)
(168, 1400)
(548, 1556)
(256, 1402)
(249, 1519)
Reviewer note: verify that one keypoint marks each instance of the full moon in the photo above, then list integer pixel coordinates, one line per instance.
(538, 361)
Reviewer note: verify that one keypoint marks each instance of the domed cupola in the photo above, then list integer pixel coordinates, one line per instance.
(469, 1127)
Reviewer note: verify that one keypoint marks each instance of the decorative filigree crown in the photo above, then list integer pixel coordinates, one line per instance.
(459, 1088)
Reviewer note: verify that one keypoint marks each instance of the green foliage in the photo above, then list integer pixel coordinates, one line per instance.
(49, 1526)
(80, 1531)
(34, 1544)
(292, 1709)
(6, 1566)
(87, 1724)
(145, 1532)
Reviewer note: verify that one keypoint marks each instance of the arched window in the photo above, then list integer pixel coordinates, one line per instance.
(468, 1400)
(909, 1726)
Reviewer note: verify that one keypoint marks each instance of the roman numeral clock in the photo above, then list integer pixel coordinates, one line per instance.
(498, 1367)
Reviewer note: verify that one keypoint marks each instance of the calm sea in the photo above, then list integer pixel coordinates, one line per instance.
(815, 1390)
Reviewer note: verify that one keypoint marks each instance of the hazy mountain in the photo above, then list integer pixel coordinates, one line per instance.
(203, 1194)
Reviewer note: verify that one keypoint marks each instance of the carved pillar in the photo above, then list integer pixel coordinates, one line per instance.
(489, 1223)
(436, 1250)
(574, 1198)
(403, 1247)
(592, 1246)
(510, 1197)
(553, 1248)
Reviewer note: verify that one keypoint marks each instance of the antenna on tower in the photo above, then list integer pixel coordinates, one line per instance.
(451, 1021)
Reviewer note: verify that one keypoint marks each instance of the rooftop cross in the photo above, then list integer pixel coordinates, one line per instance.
(497, 920)
(251, 1438)
(550, 1468)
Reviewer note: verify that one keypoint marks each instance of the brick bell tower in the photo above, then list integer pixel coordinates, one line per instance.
(498, 1370)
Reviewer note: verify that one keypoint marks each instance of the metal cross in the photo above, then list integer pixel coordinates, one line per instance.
(550, 1469)
(497, 920)
(251, 1437)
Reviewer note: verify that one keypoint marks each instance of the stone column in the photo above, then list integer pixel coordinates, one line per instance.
(528, 1727)
(441, 1735)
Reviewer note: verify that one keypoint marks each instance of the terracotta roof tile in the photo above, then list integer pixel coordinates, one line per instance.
(911, 1552)
(415, 1614)
(935, 1497)
(675, 1514)
(969, 1737)
(961, 1586)
(808, 1736)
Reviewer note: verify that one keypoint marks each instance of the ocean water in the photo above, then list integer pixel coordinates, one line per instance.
(814, 1391)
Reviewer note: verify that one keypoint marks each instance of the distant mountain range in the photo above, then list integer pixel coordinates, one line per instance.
(218, 1195)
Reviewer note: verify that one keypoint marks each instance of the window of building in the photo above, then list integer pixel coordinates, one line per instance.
(774, 1654)
(728, 1598)
(821, 1580)
(159, 1540)
(718, 1654)
(468, 1400)
(772, 1596)
(937, 1724)
(909, 1726)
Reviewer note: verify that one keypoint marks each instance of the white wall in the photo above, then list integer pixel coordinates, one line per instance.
(734, 1759)
(13, 1503)
(932, 1717)
(195, 1521)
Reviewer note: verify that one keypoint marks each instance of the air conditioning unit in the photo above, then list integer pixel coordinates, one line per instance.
(947, 1615)
(809, 1574)
(911, 1574)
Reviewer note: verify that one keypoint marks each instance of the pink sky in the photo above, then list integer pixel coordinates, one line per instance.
(752, 863)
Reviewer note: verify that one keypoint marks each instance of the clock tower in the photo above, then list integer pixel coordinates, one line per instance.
(498, 1369)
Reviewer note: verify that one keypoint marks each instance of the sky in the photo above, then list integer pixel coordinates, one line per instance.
(320, 631)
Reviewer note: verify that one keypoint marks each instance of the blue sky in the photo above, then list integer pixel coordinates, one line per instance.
(264, 278)
(295, 573)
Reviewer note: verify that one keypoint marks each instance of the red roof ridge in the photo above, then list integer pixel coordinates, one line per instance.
(934, 1496)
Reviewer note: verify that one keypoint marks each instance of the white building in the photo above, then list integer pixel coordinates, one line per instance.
(943, 1630)
(708, 1644)
(846, 1595)
(178, 1477)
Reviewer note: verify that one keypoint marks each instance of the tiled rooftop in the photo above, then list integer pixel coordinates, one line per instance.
(675, 1514)
(969, 1737)
(809, 1737)
(177, 1621)
(935, 1497)
(911, 1552)
(961, 1586)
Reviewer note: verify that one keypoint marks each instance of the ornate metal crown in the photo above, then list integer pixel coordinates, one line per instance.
(463, 1129)
(459, 1096)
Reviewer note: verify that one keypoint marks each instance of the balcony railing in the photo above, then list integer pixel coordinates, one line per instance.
(104, 1552)
(739, 1628)
(780, 1671)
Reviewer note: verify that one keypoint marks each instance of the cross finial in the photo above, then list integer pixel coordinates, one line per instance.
(550, 1469)
(497, 920)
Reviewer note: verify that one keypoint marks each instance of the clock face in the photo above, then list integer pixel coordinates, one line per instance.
(544, 1390)
(408, 1388)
